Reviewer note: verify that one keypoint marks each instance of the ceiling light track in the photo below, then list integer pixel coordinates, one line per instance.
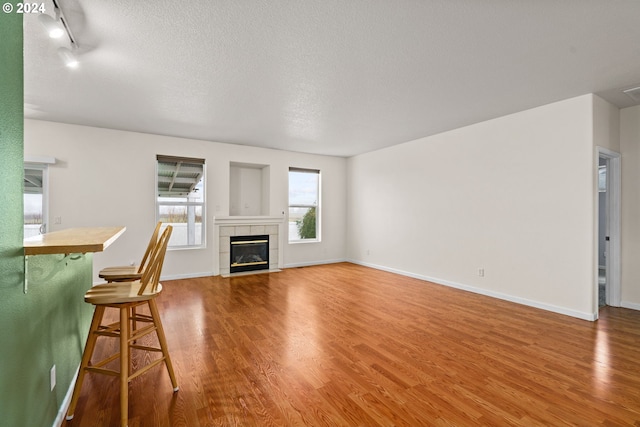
(65, 24)
(56, 28)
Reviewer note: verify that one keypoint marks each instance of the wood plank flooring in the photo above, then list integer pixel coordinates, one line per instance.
(345, 345)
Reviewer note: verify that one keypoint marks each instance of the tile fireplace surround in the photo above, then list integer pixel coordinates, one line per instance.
(227, 226)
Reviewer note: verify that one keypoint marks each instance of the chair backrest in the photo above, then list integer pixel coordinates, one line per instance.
(151, 275)
(152, 243)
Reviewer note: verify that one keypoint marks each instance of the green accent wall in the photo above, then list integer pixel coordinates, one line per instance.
(11, 149)
(48, 324)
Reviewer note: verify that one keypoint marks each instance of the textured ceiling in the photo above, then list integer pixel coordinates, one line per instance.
(325, 76)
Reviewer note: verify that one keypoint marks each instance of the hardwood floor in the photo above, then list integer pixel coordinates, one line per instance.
(344, 345)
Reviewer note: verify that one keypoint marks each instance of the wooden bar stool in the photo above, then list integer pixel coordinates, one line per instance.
(127, 273)
(125, 296)
(130, 272)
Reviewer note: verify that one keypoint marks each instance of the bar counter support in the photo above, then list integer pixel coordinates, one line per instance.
(73, 240)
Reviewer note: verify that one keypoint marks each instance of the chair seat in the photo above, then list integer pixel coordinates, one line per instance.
(119, 273)
(126, 273)
(120, 293)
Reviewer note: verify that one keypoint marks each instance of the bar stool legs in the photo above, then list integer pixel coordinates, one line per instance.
(124, 366)
(128, 338)
(155, 314)
(98, 313)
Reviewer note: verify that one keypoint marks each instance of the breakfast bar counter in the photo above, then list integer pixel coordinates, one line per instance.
(72, 240)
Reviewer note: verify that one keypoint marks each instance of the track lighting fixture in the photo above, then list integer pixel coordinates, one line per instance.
(58, 27)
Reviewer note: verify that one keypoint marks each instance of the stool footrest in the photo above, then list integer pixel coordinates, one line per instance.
(102, 371)
(104, 361)
(146, 368)
(142, 332)
(143, 347)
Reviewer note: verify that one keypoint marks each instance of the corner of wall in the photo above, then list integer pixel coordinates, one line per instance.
(630, 242)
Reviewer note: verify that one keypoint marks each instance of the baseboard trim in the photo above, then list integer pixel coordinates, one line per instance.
(62, 412)
(187, 275)
(309, 264)
(631, 305)
(548, 307)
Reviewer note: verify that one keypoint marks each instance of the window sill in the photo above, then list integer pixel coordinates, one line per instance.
(297, 242)
(186, 248)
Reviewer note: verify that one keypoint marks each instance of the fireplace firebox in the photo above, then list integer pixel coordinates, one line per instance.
(249, 253)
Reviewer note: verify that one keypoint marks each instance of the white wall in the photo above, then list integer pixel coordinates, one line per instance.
(513, 196)
(606, 125)
(107, 177)
(630, 217)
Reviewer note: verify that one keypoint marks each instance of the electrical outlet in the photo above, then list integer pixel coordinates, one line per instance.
(52, 377)
(57, 220)
(481, 272)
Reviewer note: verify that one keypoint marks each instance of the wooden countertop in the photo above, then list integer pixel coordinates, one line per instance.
(73, 241)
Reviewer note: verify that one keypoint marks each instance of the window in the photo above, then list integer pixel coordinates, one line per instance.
(35, 194)
(304, 205)
(180, 199)
(35, 212)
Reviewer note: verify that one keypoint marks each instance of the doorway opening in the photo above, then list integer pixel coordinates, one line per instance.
(607, 289)
(602, 232)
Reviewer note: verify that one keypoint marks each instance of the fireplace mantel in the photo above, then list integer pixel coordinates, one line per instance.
(248, 220)
(227, 226)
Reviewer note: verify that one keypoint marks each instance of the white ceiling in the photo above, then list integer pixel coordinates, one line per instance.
(337, 77)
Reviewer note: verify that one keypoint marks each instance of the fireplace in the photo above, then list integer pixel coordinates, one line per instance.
(226, 227)
(249, 253)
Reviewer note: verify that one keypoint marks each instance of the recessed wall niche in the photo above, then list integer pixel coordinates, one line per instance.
(248, 189)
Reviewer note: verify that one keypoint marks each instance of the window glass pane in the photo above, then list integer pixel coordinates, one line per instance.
(303, 188)
(180, 182)
(304, 195)
(179, 213)
(33, 200)
(180, 199)
(32, 214)
(186, 222)
(302, 223)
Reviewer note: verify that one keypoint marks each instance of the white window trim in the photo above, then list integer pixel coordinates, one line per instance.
(318, 204)
(42, 162)
(203, 204)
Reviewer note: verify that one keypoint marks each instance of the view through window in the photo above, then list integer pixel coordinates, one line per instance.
(181, 200)
(304, 205)
(34, 199)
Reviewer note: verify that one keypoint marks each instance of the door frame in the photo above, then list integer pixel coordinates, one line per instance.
(613, 199)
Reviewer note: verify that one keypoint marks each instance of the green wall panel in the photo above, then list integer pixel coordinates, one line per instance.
(48, 324)
(11, 149)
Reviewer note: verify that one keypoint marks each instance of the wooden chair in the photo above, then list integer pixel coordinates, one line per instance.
(124, 296)
(126, 273)
(130, 272)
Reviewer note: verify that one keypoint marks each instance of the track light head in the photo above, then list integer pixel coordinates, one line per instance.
(52, 26)
(68, 57)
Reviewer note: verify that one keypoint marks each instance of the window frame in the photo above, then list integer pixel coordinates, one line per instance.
(41, 163)
(186, 203)
(317, 206)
